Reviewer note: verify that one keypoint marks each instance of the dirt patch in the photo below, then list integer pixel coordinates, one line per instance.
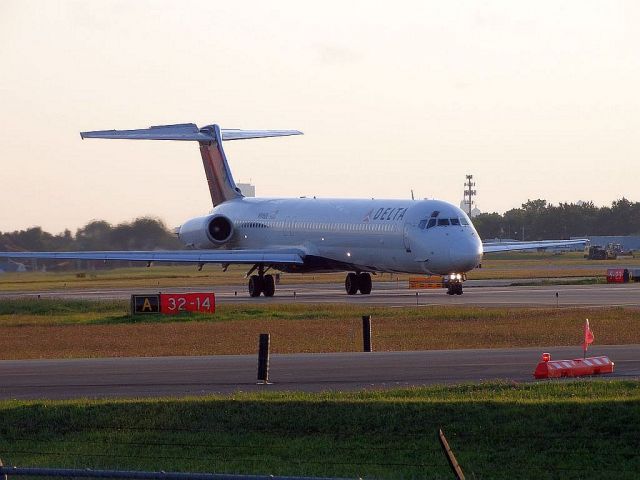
(507, 328)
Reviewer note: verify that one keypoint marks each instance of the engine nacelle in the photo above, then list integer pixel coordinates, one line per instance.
(206, 232)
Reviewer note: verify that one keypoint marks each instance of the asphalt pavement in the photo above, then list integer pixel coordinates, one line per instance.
(479, 292)
(184, 376)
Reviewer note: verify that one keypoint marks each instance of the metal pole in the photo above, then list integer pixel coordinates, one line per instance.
(263, 359)
(366, 333)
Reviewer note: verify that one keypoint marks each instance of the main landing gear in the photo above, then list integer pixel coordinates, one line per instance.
(261, 284)
(358, 281)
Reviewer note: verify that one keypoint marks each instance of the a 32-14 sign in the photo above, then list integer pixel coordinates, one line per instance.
(173, 303)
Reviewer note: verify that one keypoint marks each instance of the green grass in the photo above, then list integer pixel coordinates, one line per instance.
(52, 307)
(569, 430)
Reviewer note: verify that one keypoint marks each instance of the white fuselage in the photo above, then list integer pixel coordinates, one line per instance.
(363, 235)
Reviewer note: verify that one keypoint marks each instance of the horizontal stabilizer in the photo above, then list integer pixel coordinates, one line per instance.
(186, 132)
(228, 134)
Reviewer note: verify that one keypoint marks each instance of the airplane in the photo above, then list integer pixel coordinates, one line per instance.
(302, 235)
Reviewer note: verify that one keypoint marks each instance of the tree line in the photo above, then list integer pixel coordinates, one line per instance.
(143, 233)
(535, 220)
(539, 220)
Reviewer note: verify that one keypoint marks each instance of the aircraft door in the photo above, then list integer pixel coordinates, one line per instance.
(405, 237)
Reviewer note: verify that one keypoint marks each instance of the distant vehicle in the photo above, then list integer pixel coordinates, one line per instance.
(595, 252)
(616, 248)
(611, 252)
(361, 237)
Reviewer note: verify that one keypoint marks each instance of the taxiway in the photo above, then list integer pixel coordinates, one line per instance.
(183, 376)
(486, 293)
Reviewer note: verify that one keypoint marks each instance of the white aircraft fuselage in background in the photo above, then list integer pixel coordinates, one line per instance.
(307, 234)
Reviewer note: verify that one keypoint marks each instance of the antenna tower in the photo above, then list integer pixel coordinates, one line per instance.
(469, 193)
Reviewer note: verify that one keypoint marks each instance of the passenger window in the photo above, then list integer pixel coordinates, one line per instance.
(443, 222)
(454, 221)
(432, 223)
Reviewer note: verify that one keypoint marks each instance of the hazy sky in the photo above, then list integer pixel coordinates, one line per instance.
(536, 99)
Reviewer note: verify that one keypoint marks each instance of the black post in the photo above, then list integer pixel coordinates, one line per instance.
(263, 358)
(366, 333)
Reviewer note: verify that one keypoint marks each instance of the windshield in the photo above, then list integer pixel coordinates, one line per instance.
(432, 220)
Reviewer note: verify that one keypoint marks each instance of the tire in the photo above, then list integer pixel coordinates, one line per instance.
(269, 287)
(255, 286)
(351, 284)
(364, 283)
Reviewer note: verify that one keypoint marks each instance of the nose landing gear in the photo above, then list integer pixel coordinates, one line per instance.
(358, 282)
(453, 283)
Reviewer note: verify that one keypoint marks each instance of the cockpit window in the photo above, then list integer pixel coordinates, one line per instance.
(443, 222)
(422, 224)
(432, 223)
(435, 214)
(454, 221)
(464, 220)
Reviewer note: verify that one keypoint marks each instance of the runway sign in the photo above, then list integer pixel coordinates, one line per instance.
(145, 304)
(172, 303)
(617, 275)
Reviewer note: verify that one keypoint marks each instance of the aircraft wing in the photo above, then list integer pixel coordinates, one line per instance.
(491, 247)
(281, 256)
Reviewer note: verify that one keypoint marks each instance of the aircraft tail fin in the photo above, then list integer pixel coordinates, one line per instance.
(222, 187)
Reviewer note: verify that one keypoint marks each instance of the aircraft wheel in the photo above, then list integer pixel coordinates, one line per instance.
(364, 283)
(459, 289)
(269, 287)
(351, 284)
(255, 286)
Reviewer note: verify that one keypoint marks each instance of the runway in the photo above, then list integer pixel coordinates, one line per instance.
(183, 376)
(479, 292)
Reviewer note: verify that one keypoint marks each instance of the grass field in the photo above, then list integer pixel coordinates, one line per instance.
(507, 266)
(568, 430)
(74, 328)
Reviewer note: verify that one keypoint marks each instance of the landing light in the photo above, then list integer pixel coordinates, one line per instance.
(348, 254)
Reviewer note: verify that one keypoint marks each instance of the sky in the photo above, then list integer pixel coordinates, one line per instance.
(535, 99)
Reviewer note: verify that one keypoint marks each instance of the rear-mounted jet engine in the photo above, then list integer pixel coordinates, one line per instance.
(206, 232)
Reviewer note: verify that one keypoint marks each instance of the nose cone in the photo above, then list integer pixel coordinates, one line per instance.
(465, 253)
